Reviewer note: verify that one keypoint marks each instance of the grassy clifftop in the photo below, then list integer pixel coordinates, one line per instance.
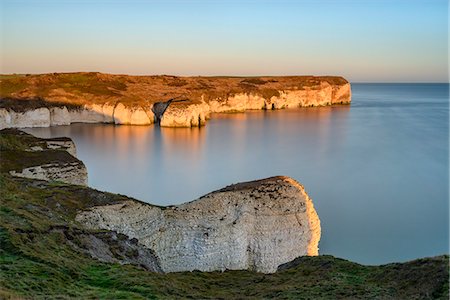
(41, 256)
(45, 253)
(81, 88)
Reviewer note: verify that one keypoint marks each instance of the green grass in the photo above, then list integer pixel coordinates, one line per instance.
(39, 263)
(10, 142)
(12, 85)
(76, 83)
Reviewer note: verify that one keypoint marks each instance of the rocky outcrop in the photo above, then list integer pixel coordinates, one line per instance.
(70, 172)
(142, 100)
(109, 247)
(327, 94)
(44, 159)
(237, 103)
(254, 225)
(63, 143)
(132, 115)
(185, 115)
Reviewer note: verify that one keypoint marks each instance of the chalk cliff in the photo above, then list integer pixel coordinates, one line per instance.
(65, 98)
(45, 159)
(256, 225)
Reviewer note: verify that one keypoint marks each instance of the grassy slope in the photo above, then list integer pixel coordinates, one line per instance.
(37, 261)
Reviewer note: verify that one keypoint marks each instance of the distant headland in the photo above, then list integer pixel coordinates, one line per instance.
(63, 98)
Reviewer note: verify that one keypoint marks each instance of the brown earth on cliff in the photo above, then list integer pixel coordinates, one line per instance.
(56, 89)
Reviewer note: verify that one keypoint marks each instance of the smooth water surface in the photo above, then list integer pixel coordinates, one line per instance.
(377, 170)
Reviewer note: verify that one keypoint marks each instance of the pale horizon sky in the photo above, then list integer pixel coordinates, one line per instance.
(364, 41)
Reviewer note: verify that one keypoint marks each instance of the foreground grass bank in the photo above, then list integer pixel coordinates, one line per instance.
(38, 261)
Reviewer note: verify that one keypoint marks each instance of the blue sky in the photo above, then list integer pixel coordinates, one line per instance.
(375, 41)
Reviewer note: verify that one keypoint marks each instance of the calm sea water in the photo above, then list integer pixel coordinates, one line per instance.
(377, 170)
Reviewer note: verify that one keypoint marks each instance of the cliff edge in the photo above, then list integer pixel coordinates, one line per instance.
(64, 98)
(24, 155)
(256, 225)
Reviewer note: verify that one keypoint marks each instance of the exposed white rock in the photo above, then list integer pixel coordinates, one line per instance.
(5, 118)
(39, 117)
(67, 145)
(59, 116)
(185, 115)
(178, 114)
(131, 115)
(341, 94)
(140, 117)
(256, 225)
(49, 164)
(301, 98)
(71, 172)
(87, 114)
(237, 103)
(108, 112)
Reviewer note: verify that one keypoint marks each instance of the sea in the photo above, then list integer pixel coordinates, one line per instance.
(377, 170)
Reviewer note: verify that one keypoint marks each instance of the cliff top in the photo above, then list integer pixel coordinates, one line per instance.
(248, 185)
(18, 151)
(57, 89)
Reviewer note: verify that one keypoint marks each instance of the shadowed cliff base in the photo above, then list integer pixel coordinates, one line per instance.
(65, 98)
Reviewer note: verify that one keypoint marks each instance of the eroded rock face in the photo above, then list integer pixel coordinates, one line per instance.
(51, 159)
(45, 117)
(143, 101)
(237, 103)
(70, 172)
(39, 117)
(65, 144)
(59, 116)
(132, 115)
(255, 225)
(87, 114)
(185, 115)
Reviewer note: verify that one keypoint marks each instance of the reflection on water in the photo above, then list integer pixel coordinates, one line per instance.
(377, 170)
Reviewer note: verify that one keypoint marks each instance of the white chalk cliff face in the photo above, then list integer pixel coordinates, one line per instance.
(45, 117)
(132, 115)
(177, 114)
(185, 115)
(256, 225)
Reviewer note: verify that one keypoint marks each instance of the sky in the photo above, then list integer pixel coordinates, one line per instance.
(364, 41)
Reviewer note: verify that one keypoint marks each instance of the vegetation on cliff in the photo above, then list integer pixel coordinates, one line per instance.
(75, 89)
(45, 253)
(16, 151)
